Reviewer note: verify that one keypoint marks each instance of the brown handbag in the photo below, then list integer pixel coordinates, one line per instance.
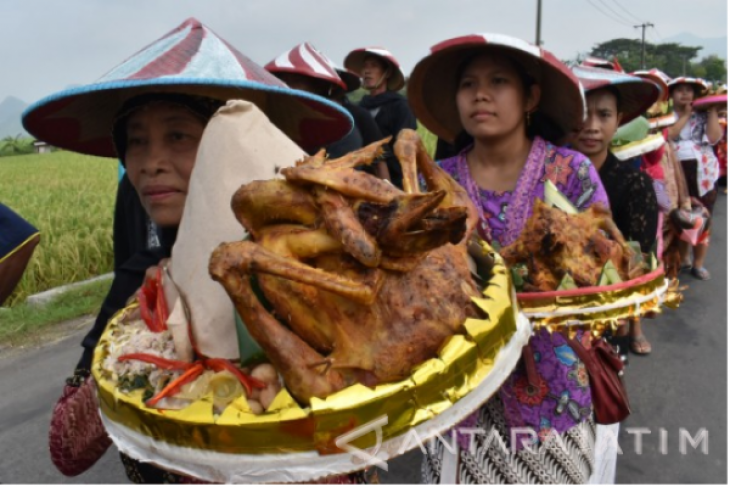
(605, 372)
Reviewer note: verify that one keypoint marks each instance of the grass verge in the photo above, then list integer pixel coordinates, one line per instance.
(22, 321)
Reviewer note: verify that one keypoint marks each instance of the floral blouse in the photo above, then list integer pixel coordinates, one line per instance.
(504, 214)
(563, 399)
(695, 141)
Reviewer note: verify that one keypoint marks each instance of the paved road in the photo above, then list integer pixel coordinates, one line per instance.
(30, 384)
(683, 384)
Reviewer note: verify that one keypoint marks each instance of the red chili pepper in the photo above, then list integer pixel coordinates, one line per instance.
(153, 307)
(160, 362)
(144, 309)
(248, 382)
(161, 310)
(174, 387)
(152, 297)
(149, 291)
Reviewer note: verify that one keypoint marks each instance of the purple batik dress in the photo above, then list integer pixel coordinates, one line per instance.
(563, 399)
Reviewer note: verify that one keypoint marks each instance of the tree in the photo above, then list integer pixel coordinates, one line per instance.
(19, 144)
(617, 47)
(715, 69)
(13, 145)
(675, 59)
(672, 58)
(628, 52)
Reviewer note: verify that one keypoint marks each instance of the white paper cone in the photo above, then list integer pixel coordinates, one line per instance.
(239, 145)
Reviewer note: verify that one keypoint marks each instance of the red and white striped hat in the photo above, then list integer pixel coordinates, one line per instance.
(192, 60)
(432, 85)
(699, 85)
(597, 62)
(658, 77)
(305, 60)
(636, 94)
(355, 59)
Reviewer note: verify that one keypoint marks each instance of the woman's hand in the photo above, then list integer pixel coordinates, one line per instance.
(714, 131)
(684, 114)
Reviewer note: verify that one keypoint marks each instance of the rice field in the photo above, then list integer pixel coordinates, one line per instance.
(70, 199)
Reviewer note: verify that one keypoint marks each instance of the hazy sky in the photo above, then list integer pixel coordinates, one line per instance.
(47, 45)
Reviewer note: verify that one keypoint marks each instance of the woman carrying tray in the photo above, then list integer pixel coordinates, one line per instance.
(693, 136)
(506, 106)
(614, 99)
(664, 168)
(150, 112)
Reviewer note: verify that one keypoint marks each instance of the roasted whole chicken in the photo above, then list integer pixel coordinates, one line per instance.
(364, 280)
(554, 243)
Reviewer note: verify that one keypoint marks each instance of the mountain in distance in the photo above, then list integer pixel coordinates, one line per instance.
(11, 108)
(710, 45)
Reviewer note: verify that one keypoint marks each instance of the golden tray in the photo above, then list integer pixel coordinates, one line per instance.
(596, 307)
(288, 443)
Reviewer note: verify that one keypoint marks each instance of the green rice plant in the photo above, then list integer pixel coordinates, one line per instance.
(70, 198)
(429, 139)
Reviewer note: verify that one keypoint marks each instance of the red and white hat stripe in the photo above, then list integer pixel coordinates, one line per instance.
(687, 80)
(489, 38)
(597, 62)
(653, 72)
(305, 59)
(190, 59)
(186, 52)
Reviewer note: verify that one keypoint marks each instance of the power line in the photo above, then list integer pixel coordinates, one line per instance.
(617, 14)
(615, 19)
(608, 15)
(652, 33)
(654, 36)
(622, 8)
(659, 34)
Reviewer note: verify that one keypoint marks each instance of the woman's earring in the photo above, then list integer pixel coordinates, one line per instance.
(527, 117)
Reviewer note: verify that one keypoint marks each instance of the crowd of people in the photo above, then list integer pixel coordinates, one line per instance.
(508, 116)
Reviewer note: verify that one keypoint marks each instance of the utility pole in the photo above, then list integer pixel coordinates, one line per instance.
(643, 42)
(539, 20)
